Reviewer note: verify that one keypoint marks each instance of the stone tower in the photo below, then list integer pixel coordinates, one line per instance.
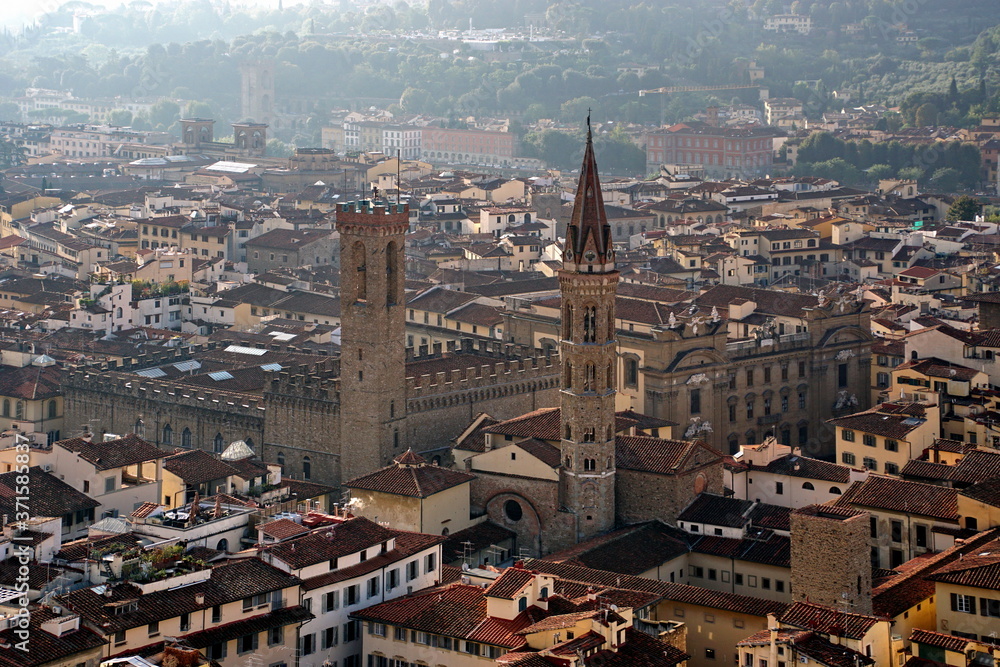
(372, 352)
(831, 562)
(250, 138)
(257, 91)
(197, 131)
(587, 282)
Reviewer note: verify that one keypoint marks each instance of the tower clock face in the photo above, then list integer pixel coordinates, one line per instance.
(590, 255)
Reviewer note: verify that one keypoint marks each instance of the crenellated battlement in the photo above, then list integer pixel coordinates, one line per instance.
(119, 384)
(486, 375)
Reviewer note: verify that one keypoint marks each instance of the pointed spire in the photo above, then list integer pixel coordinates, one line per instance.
(588, 237)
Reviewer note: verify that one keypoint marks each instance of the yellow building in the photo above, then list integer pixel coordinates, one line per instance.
(232, 611)
(969, 593)
(885, 438)
(413, 495)
(31, 398)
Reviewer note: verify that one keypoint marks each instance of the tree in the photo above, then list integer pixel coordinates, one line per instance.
(926, 116)
(964, 208)
(120, 118)
(946, 179)
(878, 172)
(11, 155)
(416, 100)
(577, 109)
(163, 114)
(910, 174)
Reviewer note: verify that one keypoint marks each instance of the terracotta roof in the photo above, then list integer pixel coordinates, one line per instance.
(458, 610)
(775, 550)
(896, 495)
(939, 639)
(801, 466)
(31, 383)
(407, 544)
(987, 492)
(410, 477)
(978, 568)
(288, 239)
(230, 631)
(197, 467)
(511, 582)
(282, 529)
(45, 648)
(670, 591)
(711, 509)
(331, 542)
(977, 465)
(878, 421)
(229, 581)
(50, 496)
(548, 454)
(828, 620)
(656, 455)
(107, 454)
(631, 550)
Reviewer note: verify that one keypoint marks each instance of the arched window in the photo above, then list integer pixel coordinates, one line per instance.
(140, 428)
(53, 409)
(19, 410)
(567, 433)
(568, 322)
(588, 435)
(6, 407)
(168, 435)
(589, 324)
(589, 465)
(589, 377)
(306, 468)
(360, 260)
(522, 604)
(610, 434)
(186, 438)
(835, 489)
(568, 375)
(808, 486)
(218, 443)
(391, 269)
(118, 313)
(569, 462)
(281, 459)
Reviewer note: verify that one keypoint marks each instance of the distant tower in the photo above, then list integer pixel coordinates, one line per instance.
(197, 131)
(831, 557)
(372, 353)
(250, 138)
(257, 91)
(588, 281)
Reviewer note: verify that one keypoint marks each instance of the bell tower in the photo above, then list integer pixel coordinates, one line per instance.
(372, 352)
(588, 281)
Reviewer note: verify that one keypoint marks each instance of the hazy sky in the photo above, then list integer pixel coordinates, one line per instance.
(15, 15)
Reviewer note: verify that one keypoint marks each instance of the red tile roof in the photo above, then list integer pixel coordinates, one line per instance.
(939, 640)
(670, 591)
(631, 550)
(896, 495)
(411, 477)
(828, 620)
(282, 529)
(120, 452)
(510, 583)
(45, 648)
(329, 542)
(459, 610)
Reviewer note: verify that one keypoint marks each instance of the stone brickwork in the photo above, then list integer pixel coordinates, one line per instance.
(372, 342)
(643, 496)
(543, 527)
(830, 557)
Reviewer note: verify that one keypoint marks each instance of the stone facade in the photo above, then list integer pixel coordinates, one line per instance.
(830, 558)
(641, 496)
(730, 390)
(373, 358)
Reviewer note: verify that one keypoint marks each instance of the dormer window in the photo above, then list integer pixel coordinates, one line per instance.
(364, 555)
(522, 604)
